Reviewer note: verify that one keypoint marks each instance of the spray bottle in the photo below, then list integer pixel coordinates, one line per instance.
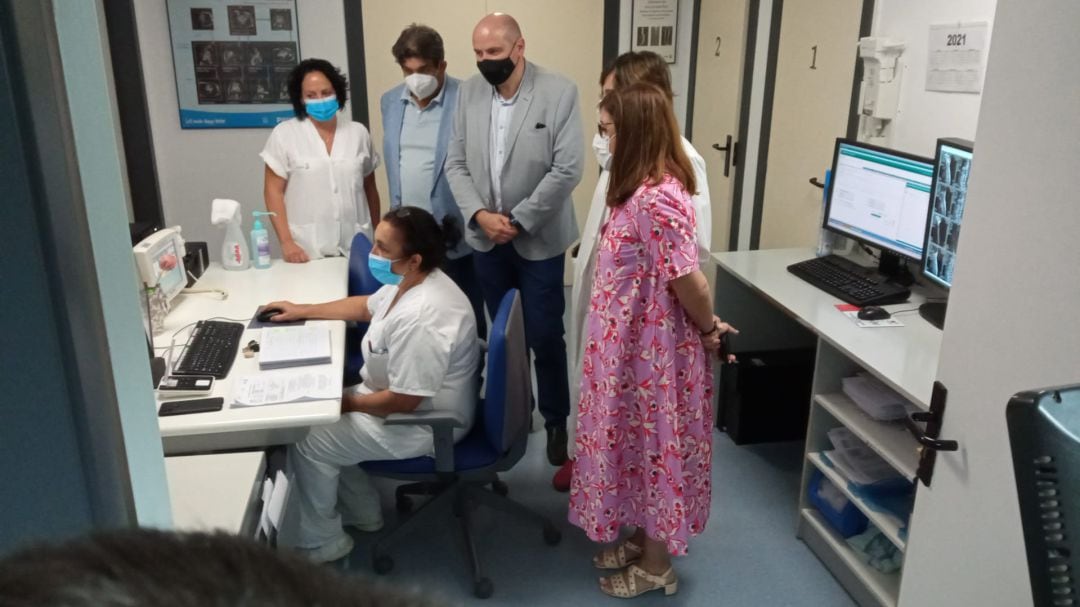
(234, 249)
(260, 242)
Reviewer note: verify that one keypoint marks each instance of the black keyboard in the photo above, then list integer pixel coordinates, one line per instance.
(211, 349)
(849, 281)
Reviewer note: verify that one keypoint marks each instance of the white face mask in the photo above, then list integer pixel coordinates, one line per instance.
(601, 145)
(421, 86)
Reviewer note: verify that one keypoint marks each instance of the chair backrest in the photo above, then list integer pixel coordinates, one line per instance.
(508, 397)
(361, 282)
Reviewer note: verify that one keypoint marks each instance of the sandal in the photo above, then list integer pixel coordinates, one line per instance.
(635, 581)
(618, 557)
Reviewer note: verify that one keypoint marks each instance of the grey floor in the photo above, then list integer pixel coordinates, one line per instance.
(748, 555)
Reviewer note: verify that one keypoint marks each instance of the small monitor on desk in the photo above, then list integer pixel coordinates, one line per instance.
(952, 163)
(880, 197)
(159, 259)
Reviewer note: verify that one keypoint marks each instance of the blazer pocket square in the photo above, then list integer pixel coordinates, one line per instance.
(540, 125)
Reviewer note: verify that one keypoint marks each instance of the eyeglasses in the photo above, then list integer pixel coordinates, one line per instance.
(602, 127)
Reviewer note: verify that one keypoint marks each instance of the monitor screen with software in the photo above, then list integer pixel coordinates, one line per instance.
(949, 196)
(880, 197)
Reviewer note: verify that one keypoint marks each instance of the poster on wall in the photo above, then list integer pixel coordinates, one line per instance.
(955, 57)
(652, 27)
(232, 61)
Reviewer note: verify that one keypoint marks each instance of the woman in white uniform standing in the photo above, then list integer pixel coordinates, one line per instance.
(421, 353)
(320, 169)
(626, 69)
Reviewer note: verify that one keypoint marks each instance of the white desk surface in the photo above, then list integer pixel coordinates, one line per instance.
(905, 357)
(244, 427)
(213, 492)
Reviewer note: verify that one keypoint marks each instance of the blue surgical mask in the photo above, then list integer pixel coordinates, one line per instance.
(321, 109)
(380, 269)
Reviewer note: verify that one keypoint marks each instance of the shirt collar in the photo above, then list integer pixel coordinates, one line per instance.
(407, 97)
(497, 97)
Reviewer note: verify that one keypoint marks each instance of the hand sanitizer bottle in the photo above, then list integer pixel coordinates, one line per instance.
(825, 237)
(260, 242)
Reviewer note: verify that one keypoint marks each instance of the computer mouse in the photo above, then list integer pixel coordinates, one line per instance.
(267, 314)
(873, 313)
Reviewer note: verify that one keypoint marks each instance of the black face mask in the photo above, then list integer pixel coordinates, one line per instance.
(496, 71)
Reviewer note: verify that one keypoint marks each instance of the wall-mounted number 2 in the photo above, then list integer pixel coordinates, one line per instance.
(717, 53)
(813, 60)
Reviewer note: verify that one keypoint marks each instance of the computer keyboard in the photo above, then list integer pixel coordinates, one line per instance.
(211, 349)
(849, 281)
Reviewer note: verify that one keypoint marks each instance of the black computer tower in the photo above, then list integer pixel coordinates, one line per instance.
(765, 397)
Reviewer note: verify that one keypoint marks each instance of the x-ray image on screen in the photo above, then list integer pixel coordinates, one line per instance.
(949, 198)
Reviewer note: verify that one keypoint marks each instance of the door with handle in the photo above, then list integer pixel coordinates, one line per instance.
(718, 85)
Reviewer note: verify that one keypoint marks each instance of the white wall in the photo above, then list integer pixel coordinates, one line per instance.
(195, 166)
(680, 70)
(924, 115)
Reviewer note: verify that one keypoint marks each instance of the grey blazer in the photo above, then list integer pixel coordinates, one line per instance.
(544, 162)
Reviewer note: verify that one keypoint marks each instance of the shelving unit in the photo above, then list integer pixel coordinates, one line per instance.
(775, 310)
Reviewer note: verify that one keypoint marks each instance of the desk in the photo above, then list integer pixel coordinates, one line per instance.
(218, 492)
(253, 427)
(774, 309)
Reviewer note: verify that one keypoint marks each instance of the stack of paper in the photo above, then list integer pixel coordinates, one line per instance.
(855, 460)
(294, 346)
(284, 387)
(875, 398)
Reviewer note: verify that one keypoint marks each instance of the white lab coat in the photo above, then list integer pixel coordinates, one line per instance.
(585, 266)
(425, 346)
(324, 197)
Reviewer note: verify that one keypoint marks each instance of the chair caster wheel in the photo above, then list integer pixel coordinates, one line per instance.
(552, 536)
(500, 488)
(403, 504)
(383, 564)
(483, 588)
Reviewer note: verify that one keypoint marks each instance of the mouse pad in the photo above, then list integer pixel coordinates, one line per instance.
(255, 324)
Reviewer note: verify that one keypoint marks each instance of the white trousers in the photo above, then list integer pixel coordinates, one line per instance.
(329, 483)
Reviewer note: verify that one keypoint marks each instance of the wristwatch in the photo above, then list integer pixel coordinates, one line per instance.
(514, 223)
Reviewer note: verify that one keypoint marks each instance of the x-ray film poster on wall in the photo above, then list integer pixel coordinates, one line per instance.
(232, 61)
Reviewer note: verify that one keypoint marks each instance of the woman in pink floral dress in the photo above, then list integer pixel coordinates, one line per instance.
(644, 438)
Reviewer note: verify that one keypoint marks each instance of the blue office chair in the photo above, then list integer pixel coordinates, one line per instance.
(361, 282)
(460, 473)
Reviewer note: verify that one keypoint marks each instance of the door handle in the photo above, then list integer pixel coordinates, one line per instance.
(929, 443)
(730, 156)
(937, 444)
(817, 184)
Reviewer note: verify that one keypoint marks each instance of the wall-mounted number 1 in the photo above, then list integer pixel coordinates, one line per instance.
(813, 60)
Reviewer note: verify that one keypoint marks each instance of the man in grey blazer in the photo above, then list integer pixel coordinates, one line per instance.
(516, 154)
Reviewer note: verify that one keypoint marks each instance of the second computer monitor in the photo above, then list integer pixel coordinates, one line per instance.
(880, 197)
(953, 162)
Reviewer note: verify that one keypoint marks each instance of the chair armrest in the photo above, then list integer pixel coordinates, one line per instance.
(442, 424)
(435, 419)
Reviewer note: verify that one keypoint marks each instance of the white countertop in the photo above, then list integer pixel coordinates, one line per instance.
(315, 281)
(904, 357)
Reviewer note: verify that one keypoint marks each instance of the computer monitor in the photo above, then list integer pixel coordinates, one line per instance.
(880, 197)
(160, 261)
(952, 167)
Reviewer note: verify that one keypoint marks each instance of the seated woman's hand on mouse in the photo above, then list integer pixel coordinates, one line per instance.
(289, 311)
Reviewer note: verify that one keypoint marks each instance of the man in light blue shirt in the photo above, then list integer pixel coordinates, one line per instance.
(417, 118)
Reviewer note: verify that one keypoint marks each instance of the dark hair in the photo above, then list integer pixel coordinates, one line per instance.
(421, 234)
(419, 41)
(139, 567)
(641, 66)
(305, 67)
(647, 145)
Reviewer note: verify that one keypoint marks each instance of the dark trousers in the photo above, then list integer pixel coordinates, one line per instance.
(463, 273)
(543, 301)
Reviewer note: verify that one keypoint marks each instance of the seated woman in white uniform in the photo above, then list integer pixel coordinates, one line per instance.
(319, 178)
(421, 353)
